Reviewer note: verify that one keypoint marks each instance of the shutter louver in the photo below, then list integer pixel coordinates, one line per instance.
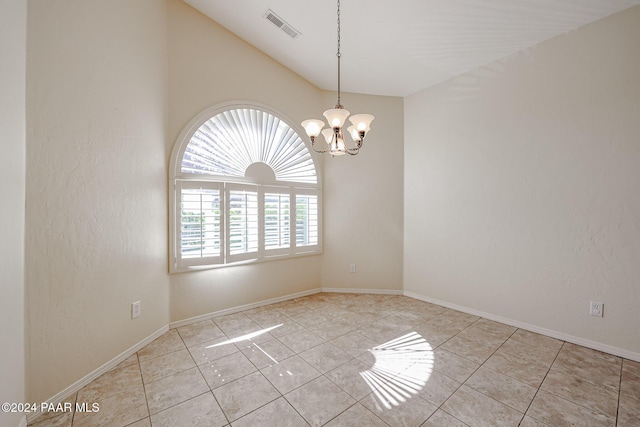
(200, 216)
(243, 224)
(229, 142)
(277, 221)
(307, 231)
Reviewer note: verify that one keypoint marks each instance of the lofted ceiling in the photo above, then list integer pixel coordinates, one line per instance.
(400, 47)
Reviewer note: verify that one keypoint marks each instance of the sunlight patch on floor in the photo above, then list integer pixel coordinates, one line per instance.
(402, 368)
(246, 337)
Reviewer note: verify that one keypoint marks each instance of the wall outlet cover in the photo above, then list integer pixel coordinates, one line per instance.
(135, 309)
(596, 308)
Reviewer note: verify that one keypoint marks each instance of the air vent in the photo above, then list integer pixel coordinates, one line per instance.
(280, 23)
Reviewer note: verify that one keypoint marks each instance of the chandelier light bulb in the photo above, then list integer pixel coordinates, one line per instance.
(328, 135)
(354, 133)
(362, 122)
(313, 127)
(336, 117)
(338, 148)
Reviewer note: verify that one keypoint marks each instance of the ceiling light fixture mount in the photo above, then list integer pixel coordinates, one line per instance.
(336, 117)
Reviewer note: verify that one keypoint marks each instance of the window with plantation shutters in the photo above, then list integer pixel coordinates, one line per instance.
(242, 232)
(307, 225)
(244, 188)
(277, 221)
(200, 232)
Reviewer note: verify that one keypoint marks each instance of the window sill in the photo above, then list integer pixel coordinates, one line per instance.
(195, 268)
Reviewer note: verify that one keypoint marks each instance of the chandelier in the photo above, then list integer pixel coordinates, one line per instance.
(336, 118)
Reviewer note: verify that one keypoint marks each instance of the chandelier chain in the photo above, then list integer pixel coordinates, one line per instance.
(338, 13)
(338, 54)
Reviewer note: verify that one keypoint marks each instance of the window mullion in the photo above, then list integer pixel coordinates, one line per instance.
(261, 220)
(293, 221)
(224, 214)
(201, 220)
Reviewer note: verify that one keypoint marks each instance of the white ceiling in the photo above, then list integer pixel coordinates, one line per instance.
(400, 47)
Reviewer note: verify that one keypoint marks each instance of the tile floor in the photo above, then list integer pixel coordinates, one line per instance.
(360, 360)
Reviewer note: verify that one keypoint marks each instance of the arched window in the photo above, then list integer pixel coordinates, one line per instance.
(243, 187)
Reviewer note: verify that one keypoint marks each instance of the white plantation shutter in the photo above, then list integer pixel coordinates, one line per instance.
(228, 143)
(307, 221)
(242, 217)
(245, 189)
(277, 221)
(201, 223)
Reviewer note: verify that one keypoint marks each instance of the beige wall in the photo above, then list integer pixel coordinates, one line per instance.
(104, 109)
(96, 185)
(208, 66)
(521, 182)
(13, 27)
(522, 195)
(363, 201)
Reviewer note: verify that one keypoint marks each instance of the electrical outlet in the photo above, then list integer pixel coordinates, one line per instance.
(596, 308)
(135, 309)
(352, 268)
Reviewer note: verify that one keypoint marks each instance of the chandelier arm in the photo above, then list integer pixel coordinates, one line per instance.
(356, 149)
(313, 147)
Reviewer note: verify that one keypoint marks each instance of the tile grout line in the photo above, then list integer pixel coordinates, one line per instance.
(542, 382)
(144, 389)
(619, 391)
(205, 380)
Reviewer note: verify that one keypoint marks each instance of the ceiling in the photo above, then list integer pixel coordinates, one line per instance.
(398, 48)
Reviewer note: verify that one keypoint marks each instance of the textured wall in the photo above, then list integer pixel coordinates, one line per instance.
(13, 27)
(522, 195)
(363, 204)
(208, 66)
(96, 184)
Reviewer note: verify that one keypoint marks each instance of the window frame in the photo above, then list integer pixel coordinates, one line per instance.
(179, 180)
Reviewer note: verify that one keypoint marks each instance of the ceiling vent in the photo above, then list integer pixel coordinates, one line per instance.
(279, 22)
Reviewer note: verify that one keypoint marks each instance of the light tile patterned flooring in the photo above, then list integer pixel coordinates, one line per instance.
(360, 360)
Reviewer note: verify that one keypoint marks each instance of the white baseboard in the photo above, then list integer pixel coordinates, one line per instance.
(23, 421)
(212, 315)
(364, 291)
(616, 351)
(75, 387)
